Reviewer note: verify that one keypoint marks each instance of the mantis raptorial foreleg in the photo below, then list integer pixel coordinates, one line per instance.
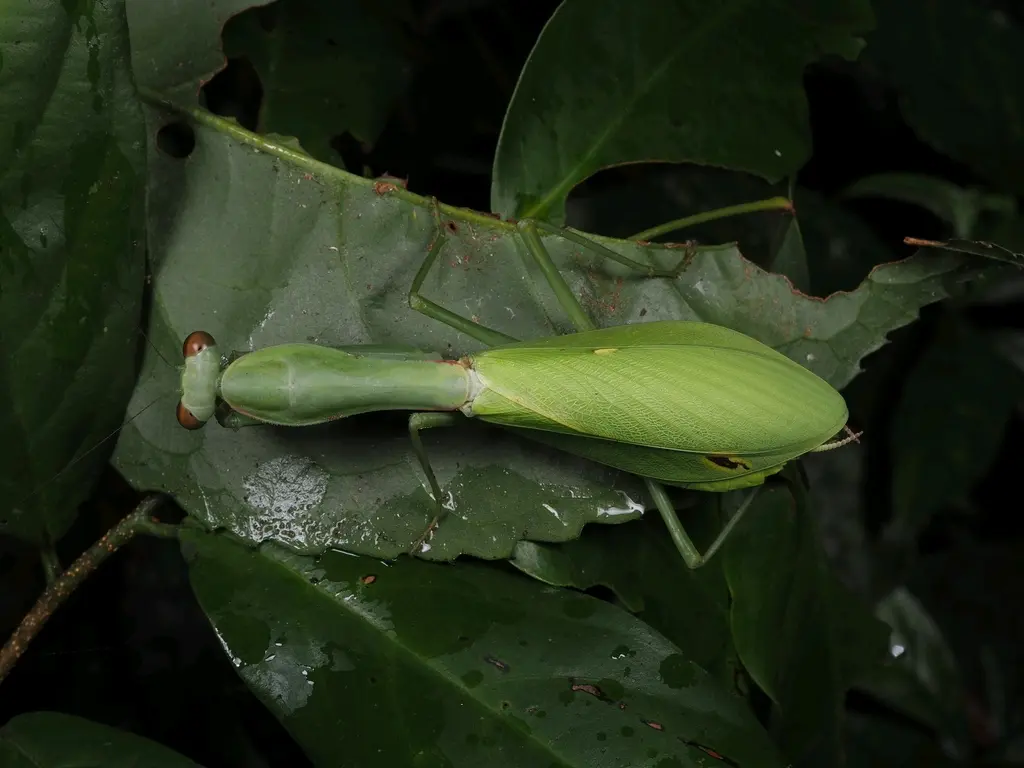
(582, 322)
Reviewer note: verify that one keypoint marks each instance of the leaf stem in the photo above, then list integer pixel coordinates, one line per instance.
(771, 204)
(58, 591)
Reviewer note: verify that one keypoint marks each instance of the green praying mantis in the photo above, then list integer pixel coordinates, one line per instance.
(682, 403)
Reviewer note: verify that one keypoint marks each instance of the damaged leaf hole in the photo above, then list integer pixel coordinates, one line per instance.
(176, 139)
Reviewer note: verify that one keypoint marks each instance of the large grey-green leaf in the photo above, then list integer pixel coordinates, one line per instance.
(71, 253)
(262, 247)
(415, 663)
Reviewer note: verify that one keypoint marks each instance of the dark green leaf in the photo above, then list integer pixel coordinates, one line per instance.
(414, 663)
(56, 740)
(922, 679)
(320, 255)
(875, 741)
(841, 248)
(325, 69)
(801, 635)
(609, 83)
(641, 566)
(958, 207)
(71, 254)
(791, 258)
(949, 425)
(956, 67)
(177, 65)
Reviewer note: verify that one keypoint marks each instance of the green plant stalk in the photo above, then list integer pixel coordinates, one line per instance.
(771, 204)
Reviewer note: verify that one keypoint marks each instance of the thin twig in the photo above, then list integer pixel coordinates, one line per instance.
(57, 592)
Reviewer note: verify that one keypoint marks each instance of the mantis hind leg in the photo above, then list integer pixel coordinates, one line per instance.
(684, 544)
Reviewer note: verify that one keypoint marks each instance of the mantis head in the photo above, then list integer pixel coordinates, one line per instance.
(198, 380)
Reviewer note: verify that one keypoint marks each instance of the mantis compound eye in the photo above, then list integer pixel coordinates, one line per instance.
(185, 417)
(195, 343)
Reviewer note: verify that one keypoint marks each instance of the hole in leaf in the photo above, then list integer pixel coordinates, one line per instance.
(354, 154)
(176, 140)
(236, 91)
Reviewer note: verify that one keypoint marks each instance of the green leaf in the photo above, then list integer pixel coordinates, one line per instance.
(325, 69)
(644, 570)
(801, 635)
(922, 679)
(310, 253)
(954, 66)
(56, 740)
(609, 83)
(177, 65)
(841, 248)
(414, 663)
(71, 254)
(791, 258)
(948, 426)
(958, 207)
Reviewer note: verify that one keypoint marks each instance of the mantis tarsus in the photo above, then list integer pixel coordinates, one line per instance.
(685, 403)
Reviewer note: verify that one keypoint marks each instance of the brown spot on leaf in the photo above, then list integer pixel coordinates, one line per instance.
(728, 462)
(497, 663)
(710, 752)
(593, 690)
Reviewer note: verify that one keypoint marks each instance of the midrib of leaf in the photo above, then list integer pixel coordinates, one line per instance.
(569, 178)
(448, 678)
(325, 170)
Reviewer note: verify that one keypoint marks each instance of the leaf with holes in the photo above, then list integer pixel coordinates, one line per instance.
(325, 69)
(310, 253)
